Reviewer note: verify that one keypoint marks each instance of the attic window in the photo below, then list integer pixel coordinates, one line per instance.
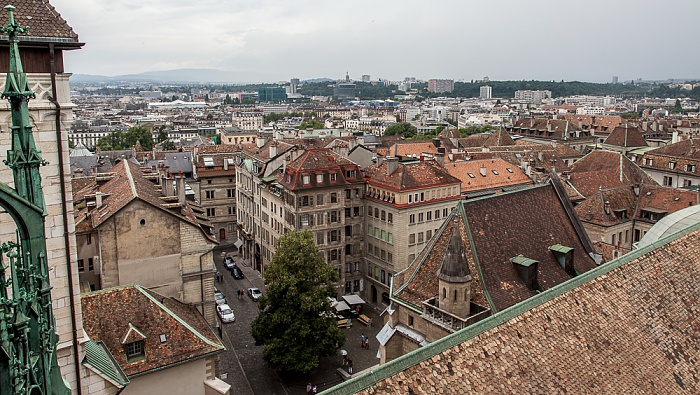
(494, 172)
(208, 161)
(471, 175)
(509, 169)
(134, 351)
(162, 338)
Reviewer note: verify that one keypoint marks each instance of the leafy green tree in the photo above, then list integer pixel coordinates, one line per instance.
(677, 109)
(118, 140)
(404, 129)
(313, 124)
(469, 130)
(629, 115)
(296, 324)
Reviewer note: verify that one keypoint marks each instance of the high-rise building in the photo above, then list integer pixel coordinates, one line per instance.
(440, 86)
(534, 97)
(485, 92)
(365, 78)
(614, 79)
(270, 94)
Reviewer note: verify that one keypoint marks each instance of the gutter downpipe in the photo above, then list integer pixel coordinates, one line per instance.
(64, 213)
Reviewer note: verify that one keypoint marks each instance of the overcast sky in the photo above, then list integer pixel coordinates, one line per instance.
(271, 40)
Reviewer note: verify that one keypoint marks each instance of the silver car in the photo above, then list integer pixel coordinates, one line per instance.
(225, 313)
(254, 294)
(220, 298)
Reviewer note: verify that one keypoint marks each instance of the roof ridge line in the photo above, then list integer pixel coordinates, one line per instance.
(364, 381)
(131, 179)
(178, 319)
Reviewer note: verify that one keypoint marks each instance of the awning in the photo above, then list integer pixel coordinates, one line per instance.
(340, 306)
(353, 299)
(238, 243)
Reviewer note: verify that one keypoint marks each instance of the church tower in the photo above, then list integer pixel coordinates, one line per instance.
(454, 277)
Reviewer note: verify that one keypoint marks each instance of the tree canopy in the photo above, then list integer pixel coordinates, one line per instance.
(296, 324)
(404, 129)
(119, 140)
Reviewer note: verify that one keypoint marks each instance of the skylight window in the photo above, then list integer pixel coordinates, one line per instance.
(494, 172)
(471, 175)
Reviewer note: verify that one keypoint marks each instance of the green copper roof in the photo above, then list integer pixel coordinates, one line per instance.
(523, 261)
(560, 248)
(98, 358)
(404, 362)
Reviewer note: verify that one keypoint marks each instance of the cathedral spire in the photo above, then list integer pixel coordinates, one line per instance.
(23, 158)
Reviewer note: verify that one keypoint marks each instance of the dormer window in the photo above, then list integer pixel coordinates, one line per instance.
(306, 179)
(350, 174)
(134, 351)
(333, 177)
(671, 165)
(319, 178)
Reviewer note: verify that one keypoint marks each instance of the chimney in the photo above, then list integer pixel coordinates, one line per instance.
(380, 160)
(391, 164)
(273, 149)
(482, 171)
(440, 158)
(225, 163)
(181, 189)
(635, 188)
(167, 184)
(540, 156)
(606, 207)
(674, 137)
(437, 142)
(259, 141)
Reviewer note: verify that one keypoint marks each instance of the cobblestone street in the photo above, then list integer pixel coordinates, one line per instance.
(242, 365)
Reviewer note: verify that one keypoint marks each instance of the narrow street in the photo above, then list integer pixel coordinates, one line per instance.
(242, 365)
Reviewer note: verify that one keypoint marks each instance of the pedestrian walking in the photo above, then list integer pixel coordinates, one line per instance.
(308, 388)
(363, 340)
(218, 276)
(314, 390)
(367, 343)
(349, 365)
(344, 353)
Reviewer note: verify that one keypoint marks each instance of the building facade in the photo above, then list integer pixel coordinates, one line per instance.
(405, 206)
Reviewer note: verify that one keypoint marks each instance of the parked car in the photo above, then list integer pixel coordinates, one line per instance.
(225, 313)
(219, 297)
(254, 294)
(237, 273)
(229, 263)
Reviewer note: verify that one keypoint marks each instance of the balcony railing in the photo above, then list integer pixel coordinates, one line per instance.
(450, 321)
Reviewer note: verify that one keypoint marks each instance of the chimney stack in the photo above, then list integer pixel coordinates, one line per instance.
(482, 171)
(440, 158)
(259, 141)
(181, 188)
(273, 149)
(391, 164)
(225, 163)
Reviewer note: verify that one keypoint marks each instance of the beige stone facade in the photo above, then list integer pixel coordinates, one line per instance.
(59, 233)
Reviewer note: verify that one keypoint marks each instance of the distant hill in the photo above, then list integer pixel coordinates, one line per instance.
(194, 76)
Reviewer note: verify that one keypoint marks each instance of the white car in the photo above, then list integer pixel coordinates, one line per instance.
(220, 298)
(225, 313)
(254, 294)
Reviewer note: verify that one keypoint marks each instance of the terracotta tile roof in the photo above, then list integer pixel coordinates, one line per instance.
(608, 207)
(599, 123)
(626, 136)
(665, 199)
(608, 251)
(475, 140)
(683, 149)
(629, 326)
(500, 227)
(320, 161)
(606, 170)
(45, 20)
(409, 176)
(497, 174)
(125, 183)
(109, 315)
(403, 149)
(499, 138)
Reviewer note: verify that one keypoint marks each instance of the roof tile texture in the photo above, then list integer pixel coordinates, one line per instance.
(633, 330)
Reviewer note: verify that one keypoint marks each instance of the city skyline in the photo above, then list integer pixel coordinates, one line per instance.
(267, 41)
